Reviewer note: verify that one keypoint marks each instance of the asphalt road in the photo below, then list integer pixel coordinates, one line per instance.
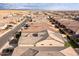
(10, 33)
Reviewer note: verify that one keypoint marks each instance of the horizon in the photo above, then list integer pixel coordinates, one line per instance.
(40, 6)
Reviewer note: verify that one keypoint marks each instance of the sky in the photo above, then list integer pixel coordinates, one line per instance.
(42, 6)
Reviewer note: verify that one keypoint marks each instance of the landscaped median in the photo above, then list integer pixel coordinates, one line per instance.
(71, 42)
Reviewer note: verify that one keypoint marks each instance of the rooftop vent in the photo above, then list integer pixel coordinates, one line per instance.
(35, 34)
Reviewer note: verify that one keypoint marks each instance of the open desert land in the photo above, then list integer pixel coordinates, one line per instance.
(9, 17)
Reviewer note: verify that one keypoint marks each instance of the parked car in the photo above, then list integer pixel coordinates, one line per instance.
(7, 51)
(10, 26)
(76, 18)
(18, 34)
(13, 42)
(26, 26)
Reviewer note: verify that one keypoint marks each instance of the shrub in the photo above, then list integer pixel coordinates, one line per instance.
(66, 44)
